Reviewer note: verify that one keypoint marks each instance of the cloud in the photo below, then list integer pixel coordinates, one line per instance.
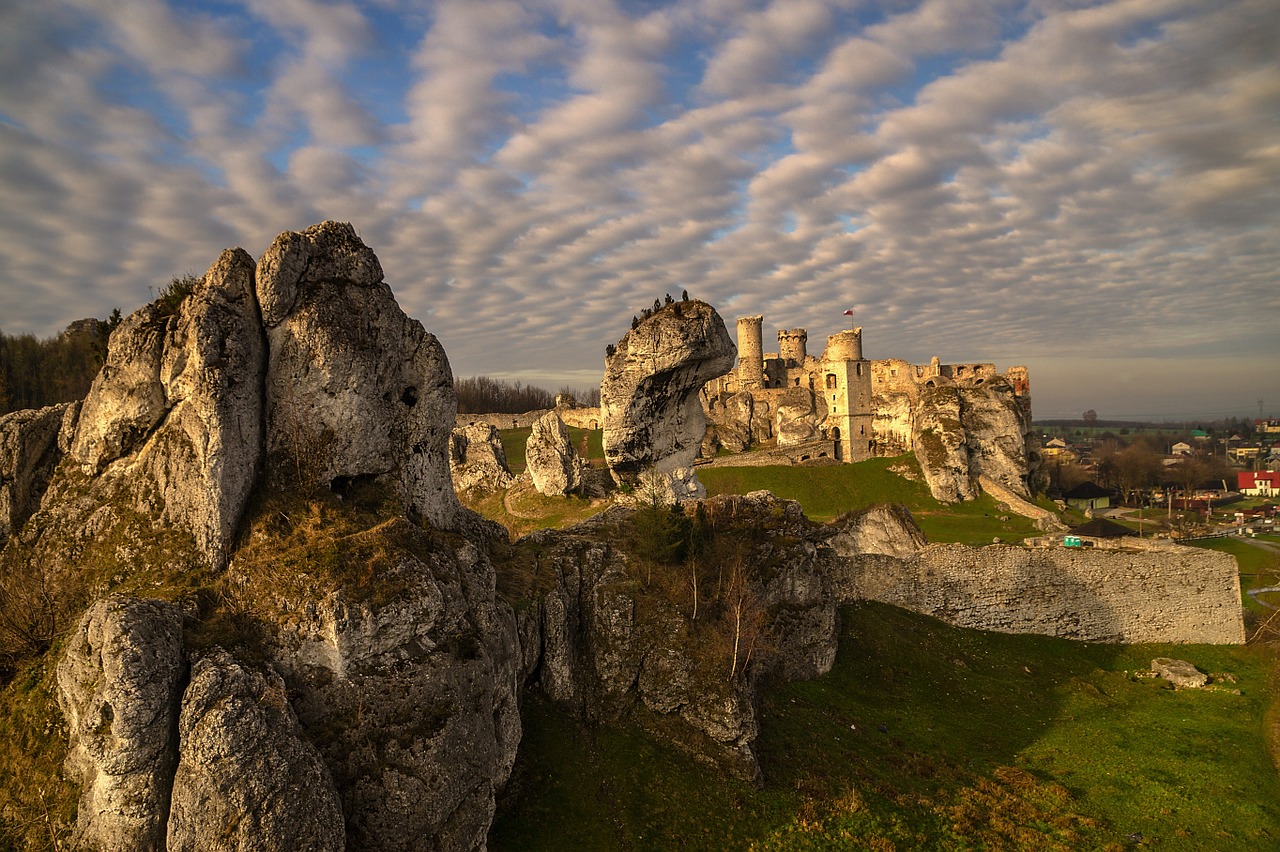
(1021, 181)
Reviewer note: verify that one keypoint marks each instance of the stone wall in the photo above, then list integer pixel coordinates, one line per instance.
(1179, 594)
(579, 418)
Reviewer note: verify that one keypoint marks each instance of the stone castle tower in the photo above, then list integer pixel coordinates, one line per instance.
(750, 373)
(847, 392)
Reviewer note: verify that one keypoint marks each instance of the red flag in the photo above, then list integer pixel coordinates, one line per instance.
(849, 312)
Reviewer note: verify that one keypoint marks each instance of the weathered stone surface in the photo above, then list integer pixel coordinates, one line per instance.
(176, 412)
(884, 529)
(649, 402)
(996, 424)
(608, 643)
(477, 461)
(354, 387)
(414, 686)
(29, 451)
(736, 425)
(247, 778)
(1180, 673)
(941, 445)
(550, 459)
(795, 418)
(118, 687)
(1181, 594)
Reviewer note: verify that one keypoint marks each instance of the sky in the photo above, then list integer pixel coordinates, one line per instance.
(1091, 189)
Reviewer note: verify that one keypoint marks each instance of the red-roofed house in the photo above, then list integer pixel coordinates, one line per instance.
(1259, 483)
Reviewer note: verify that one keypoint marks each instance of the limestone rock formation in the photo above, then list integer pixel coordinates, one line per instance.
(247, 778)
(30, 449)
(553, 464)
(609, 642)
(175, 413)
(355, 389)
(412, 679)
(941, 446)
(649, 395)
(996, 425)
(885, 529)
(737, 424)
(118, 685)
(477, 461)
(796, 418)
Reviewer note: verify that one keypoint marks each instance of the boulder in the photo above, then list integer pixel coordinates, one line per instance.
(118, 686)
(649, 397)
(889, 530)
(550, 459)
(355, 389)
(477, 461)
(247, 777)
(1180, 673)
(30, 450)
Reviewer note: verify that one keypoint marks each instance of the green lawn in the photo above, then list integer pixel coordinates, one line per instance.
(926, 736)
(826, 492)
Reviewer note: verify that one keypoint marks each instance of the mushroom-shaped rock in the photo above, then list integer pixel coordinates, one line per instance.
(247, 778)
(354, 387)
(118, 686)
(477, 460)
(653, 418)
(553, 464)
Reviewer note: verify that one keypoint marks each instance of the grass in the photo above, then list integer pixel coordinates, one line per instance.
(521, 509)
(513, 443)
(928, 736)
(826, 492)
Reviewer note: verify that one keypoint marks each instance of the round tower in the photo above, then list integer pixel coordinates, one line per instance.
(844, 346)
(792, 345)
(750, 352)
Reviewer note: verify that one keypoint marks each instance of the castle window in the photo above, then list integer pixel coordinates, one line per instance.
(893, 371)
(797, 381)
(859, 369)
(831, 381)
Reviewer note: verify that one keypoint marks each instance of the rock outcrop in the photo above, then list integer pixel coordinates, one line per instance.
(119, 684)
(31, 445)
(613, 640)
(354, 389)
(477, 461)
(408, 684)
(247, 778)
(649, 401)
(550, 459)
(796, 417)
(889, 530)
(941, 446)
(175, 414)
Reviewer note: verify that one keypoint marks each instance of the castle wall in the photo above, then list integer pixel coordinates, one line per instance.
(1179, 594)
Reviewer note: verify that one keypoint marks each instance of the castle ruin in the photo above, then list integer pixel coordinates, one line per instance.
(852, 398)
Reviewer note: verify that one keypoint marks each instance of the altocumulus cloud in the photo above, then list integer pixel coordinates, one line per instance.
(1089, 188)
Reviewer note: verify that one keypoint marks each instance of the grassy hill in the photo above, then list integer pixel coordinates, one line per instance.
(926, 736)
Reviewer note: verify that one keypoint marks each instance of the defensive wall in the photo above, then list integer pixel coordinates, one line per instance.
(578, 418)
(1177, 594)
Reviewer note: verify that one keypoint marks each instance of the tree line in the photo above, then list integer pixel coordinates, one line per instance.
(35, 372)
(485, 395)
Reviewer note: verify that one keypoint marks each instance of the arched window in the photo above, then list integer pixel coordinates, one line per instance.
(831, 380)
